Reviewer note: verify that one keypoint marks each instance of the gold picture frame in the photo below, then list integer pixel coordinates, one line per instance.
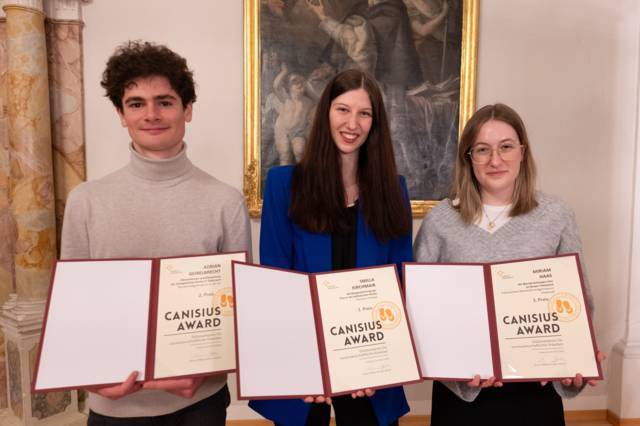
(252, 102)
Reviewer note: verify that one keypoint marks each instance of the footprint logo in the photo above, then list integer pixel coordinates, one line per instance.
(388, 314)
(225, 300)
(567, 306)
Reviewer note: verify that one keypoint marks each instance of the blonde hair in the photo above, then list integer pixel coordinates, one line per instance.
(466, 189)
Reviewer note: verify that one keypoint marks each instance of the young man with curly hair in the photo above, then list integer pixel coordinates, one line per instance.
(159, 204)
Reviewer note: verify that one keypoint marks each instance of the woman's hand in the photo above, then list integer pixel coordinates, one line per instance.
(578, 381)
(318, 399)
(185, 388)
(127, 387)
(362, 393)
(491, 381)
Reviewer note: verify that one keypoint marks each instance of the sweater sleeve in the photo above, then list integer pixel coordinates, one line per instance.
(75, 235)
(237, 230)
(570, 243)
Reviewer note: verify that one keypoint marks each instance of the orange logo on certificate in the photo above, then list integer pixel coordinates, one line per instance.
(224, 299)
(566, 305)
(388, 313)
(329, 285)
(172, 269)
(504, 275)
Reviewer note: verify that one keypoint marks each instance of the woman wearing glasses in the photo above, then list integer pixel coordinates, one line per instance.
(495, 214)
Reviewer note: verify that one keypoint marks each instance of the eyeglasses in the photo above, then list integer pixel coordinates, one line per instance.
(508, 151)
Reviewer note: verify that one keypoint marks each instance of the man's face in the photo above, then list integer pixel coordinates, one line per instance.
(154, 115)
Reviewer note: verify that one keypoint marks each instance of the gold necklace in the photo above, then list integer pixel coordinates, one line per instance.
(492, 222)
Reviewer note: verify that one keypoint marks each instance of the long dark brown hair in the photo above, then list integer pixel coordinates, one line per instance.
(318, 194)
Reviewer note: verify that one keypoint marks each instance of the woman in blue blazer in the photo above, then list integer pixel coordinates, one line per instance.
(342, 206)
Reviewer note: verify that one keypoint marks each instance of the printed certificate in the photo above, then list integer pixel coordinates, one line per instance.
(523, 320)
(320, 334)
(166, 318)
(194, 322)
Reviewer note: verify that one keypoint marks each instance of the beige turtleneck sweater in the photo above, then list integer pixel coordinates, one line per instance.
(154, 208)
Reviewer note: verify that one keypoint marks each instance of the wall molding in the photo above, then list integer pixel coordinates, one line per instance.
(617, 421)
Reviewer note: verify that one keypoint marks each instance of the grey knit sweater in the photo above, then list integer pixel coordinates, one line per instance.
(547, 230)
(154, 208)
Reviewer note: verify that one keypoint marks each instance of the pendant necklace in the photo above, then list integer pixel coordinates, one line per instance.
(351, 193)
(492, 222)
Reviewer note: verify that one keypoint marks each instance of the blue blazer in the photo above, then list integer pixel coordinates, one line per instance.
(285, 245)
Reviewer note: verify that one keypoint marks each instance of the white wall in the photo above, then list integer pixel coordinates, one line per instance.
(570, 68)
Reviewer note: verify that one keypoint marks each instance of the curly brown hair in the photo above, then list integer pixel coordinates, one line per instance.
(135, 59)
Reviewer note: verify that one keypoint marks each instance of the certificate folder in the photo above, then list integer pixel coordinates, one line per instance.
(163, 317)
(523, 320)
(331, 333)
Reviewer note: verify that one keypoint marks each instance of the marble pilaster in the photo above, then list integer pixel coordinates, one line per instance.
(31, 201)
(7, 224)
(32, 190)
(64, 49)
(41, 160)
(21, 322)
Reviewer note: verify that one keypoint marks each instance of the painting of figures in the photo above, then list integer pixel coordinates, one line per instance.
(413, 48)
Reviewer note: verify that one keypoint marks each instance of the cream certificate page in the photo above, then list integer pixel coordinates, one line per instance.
(365, 329)
(541, 317)
(195, 332)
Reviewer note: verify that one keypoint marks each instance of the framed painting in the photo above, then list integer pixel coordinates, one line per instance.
(422, 53)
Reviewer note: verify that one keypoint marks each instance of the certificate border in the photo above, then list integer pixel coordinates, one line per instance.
(148, 373)
(496, 360)
(152, 338)
(491, 310)
(54, 267)
(324, 354)
(152, 322)
(235, 321)
(318, 322)
(404, 283)
(576, 257)
(322, 344)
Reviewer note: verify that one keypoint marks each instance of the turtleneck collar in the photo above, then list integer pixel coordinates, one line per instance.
(159, 170)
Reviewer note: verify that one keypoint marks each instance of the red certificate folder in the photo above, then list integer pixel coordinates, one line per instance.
(163, 317)
(331, 333)
(522, 320)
